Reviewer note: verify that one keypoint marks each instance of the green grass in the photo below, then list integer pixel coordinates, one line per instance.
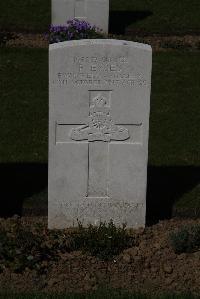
(24, 105)
(112, 294)
(174, 121)
(171, 16)
(25, 15)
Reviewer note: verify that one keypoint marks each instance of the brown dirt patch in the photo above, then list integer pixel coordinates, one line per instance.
(29, 40)
(158, 42)
(151, 266)
(163, 43)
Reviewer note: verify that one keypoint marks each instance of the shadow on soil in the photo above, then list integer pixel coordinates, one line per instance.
(120, 20)
(27, 183)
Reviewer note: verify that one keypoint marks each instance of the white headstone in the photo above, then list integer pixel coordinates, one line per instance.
(96, 12)
(98, 132)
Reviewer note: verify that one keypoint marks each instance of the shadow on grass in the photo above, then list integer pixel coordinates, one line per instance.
(120, 20)
(18, 182)
(165, 186)
(27, 183)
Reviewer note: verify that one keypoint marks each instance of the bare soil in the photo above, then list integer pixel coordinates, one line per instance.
(150, 267)
(158, 42)
(28, 40)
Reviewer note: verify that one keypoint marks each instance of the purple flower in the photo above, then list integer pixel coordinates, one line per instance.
(74, 29)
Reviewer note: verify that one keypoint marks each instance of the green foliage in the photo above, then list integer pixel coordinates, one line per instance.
(186, 239)
(103, 241)
(73, 30)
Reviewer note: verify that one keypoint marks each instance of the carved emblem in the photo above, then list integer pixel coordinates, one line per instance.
(100, 126)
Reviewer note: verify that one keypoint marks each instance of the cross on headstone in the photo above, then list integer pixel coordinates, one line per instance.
(96, 12)
(80, 9)
(99, 131)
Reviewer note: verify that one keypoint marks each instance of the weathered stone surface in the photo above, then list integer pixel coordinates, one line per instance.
(98, 132)
(95, 12)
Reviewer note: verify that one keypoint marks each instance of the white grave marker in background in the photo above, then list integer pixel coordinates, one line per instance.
(96, 12)
(80, 9)
(98, 132)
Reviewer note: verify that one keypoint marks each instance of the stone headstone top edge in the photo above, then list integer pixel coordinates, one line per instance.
(88, 42)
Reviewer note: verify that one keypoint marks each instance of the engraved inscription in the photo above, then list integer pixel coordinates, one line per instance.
(103, 70)
(100, 126)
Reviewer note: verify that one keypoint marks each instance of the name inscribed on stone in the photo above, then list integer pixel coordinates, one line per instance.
(88, 71)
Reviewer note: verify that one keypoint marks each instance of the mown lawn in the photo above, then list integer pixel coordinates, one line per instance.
(174, 122)
(25, 15)
(24, 105)
(172, 16)
(174, 141)
(157, 16)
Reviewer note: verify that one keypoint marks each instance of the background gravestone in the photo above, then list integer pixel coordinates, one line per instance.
(98, 132)
(96, 12)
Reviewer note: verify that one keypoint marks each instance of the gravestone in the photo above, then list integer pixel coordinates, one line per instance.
(96, 12)
(98, 132)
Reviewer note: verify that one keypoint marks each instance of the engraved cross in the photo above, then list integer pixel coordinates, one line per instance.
(99, 131)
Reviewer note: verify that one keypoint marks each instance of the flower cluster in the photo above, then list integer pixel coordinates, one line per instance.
(74, 29)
